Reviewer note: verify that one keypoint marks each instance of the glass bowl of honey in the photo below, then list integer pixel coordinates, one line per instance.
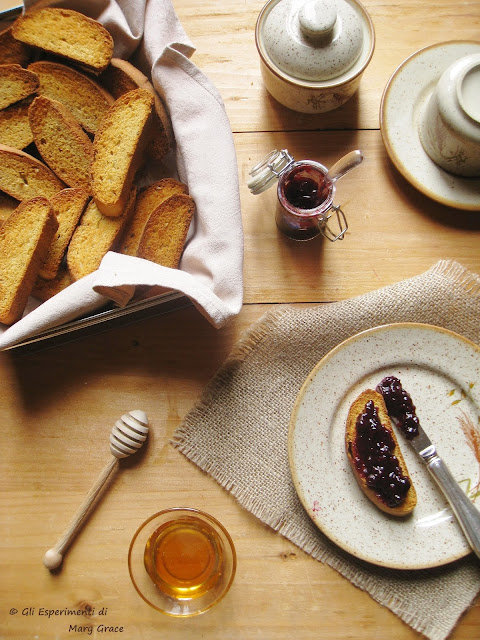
(182, 561)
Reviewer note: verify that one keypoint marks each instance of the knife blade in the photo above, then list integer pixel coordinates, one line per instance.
(402, 413)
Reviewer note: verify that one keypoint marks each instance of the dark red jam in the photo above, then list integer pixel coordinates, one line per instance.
(374, 458)
(399, 406)
(306, 188)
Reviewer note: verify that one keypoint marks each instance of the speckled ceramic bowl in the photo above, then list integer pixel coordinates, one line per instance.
(313, 52)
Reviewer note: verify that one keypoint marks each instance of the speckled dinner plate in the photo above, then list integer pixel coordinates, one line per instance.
(441, 371)
(403, 102)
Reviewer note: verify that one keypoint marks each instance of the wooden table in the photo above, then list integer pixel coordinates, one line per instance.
(58, 405)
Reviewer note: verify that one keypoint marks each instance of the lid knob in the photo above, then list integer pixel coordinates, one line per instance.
(317, 18)
(312, 40)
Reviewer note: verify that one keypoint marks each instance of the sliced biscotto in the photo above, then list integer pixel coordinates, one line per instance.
(23, 177)
(116, 80)
(68, 206)
(118, 150)
(45, 289)
(13, 51)
(148, 199)
(94, 236)
(68, 34)
(16, 83)
(120, 77)
(24, 241)
(7, 206)
(166, 231)
(15, 128)
(388, 485)
(85, 98)
(61, 141)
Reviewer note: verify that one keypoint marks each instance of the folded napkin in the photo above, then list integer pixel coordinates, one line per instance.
(240, 426)
(150, 35)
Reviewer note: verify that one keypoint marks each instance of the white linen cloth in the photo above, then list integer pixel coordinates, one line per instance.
(149, 33)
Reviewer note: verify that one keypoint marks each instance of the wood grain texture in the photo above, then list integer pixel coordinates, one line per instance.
(224, 37)
(58, 404)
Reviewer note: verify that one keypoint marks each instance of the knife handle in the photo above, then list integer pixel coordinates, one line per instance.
(467, 514)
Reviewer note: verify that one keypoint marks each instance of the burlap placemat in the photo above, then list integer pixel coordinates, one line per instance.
(238, 431)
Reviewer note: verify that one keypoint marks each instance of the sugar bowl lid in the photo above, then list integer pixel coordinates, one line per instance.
(312, 40)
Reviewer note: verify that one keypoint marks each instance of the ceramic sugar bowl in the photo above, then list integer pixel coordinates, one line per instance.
(450, 127)
(313, 52)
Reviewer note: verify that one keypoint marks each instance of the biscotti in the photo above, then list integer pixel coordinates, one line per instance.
(24, 241)
(61, 141)
(148, 199)
(85, 98)
(166, 231)
(119, 78)
(68, 206)
(16, 83)
(7, 206)
(118, 150)
(68, 34)
(13, 51)
(23, 177)
(15, 128)
(94, 236)
(74, 129)
(375, 456)
(45, 289)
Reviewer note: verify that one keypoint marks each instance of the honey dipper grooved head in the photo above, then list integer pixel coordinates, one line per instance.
(129, 433)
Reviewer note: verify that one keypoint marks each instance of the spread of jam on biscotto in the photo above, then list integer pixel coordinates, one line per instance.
(399, 406)
(306, 188)
(374, 458)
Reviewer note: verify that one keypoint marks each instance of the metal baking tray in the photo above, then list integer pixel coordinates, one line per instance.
(10, 10)
(108, 318)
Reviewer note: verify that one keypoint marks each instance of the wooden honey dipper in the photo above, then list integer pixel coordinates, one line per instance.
(127, 436)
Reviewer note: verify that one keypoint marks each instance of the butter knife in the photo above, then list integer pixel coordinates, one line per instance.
(464, 510)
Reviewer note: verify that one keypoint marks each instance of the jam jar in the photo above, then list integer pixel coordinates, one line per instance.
(305, 193)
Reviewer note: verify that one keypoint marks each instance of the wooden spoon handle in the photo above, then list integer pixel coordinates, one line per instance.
(54, 556)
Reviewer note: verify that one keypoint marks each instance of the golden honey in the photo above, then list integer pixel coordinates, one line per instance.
(184, 558)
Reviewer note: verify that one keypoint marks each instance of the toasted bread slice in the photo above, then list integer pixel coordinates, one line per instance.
(94, 236)
(119, 78)
(68, 34)
(388, 499)
(16, 83)
(166, 231)
(45, 289)
(24, 241)
(61, 141)
(118, 150)
(68, 206)
(23, 177)
(15, 128)
(7, 206)
(148, 199)
(84, 97)
(13, 51)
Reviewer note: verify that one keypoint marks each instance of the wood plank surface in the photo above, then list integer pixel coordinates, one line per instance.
(224, 37)
(395, 232)
(55, 427)
(59, 405)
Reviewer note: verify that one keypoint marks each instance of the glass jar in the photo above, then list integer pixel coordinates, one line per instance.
(305, 194)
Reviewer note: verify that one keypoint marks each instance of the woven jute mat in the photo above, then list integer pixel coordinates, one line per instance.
(238, 431)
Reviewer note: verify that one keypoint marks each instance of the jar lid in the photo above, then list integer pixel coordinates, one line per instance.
(313, 40)
(268, 170)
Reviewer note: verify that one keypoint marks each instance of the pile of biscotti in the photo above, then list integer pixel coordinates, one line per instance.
(77, 128)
